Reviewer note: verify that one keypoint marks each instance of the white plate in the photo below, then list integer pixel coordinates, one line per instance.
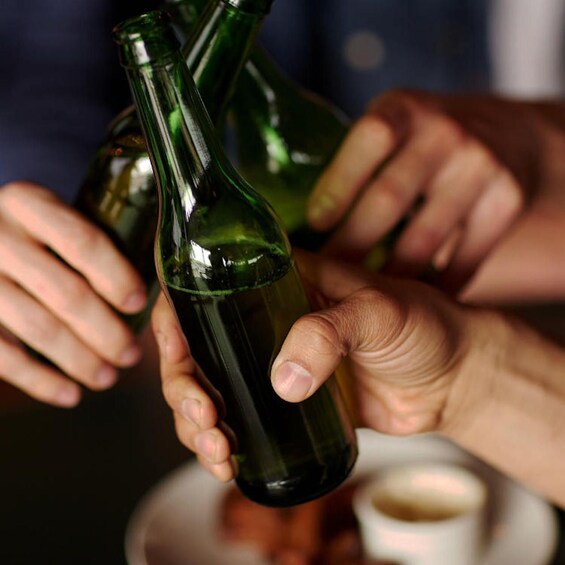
(176, 522)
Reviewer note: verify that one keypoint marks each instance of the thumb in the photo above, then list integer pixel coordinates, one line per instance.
(317, 342)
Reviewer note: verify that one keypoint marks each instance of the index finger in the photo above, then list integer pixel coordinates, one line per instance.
(371, 141)
(172, 343)
(334, 279)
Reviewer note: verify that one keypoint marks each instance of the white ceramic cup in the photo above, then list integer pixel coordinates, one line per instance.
(422, 514)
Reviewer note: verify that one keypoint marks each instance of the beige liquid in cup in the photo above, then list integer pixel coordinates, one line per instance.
(416, 510)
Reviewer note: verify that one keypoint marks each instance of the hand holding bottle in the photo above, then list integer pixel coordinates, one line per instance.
(400, 337)
(61, 304)
(419, 363)
(460, 169)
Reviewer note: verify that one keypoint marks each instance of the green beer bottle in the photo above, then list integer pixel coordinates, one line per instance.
(118, 192)
(285, 137)
(225, 264)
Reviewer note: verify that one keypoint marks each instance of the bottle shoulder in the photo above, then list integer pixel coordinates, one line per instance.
(230, 240)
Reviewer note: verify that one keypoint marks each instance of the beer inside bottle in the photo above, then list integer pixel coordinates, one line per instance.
(285, 451)
(225, 263)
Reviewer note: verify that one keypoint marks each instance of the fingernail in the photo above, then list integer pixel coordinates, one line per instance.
(321, 207)
(192, 410)
(206, 445)
(106, 376)
(68, 396)
(135, 301)
(130, 356)
(292, 381)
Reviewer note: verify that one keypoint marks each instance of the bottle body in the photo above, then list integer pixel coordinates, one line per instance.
(286, 453)
(285, 137)
(119, 195)
(225, 264)
(236, 292)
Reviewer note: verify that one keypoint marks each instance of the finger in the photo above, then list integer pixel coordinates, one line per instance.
(317, 342)
(36, 379)
(223, 472)
(389, 197)
(45, 333)
(331, 278)
(184, 394)
(185, 388)
(80, 243)
(212, 444)
(68, 297)
(450, 196)
(371, 140)
(172, 343)
(490, 219)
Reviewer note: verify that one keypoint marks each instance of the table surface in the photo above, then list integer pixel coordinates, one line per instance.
(70, 479)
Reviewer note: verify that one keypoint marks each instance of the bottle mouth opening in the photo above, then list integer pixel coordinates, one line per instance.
(139, 27)
(147, 38)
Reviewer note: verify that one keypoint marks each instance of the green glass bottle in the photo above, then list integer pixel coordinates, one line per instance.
(285, 137)
(118, 192)
(225, 263)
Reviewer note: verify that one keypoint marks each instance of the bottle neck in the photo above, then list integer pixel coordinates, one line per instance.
(180, 138)
(219, 46)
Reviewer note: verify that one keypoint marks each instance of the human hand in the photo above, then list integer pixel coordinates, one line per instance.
(458, 169)
(403, 340)
(197, 407)
(63, 309)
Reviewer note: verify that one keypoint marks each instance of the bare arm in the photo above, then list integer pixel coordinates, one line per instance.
(507, 405)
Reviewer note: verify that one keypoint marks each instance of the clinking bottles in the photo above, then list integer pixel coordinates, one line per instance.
(225, 264)
(118, 192)
(284, 135)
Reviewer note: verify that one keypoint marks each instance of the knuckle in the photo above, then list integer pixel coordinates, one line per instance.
(81, 237)
(72, 291)
(373, 130)
(425, 240)
(448, 131)
(170, 386)
(370, 302)
(511, 199)
(42, 329)
(392, 194)
(14, 193)
(185, 432)
(320, 331)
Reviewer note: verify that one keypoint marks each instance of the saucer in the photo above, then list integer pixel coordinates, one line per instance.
(176, 523)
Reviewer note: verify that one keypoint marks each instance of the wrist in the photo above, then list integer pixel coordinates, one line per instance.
(507, 404)
(486, 345)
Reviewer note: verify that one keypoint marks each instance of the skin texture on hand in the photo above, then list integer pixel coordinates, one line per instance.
(459, 170)
(417, 362)
(413, 383)
(61, 282)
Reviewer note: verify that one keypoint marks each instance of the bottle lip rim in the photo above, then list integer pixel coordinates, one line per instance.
(131, 29)
(146, 40)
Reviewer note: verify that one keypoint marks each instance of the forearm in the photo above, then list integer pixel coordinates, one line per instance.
(507, 405)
